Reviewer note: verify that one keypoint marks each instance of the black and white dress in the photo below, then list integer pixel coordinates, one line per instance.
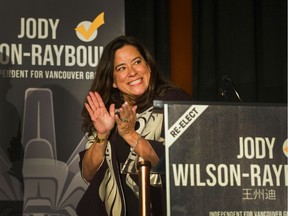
(114, 189)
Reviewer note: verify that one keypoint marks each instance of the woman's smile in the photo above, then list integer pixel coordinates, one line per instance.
(135, 82)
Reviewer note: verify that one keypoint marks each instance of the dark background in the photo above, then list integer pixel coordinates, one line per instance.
(245, 40)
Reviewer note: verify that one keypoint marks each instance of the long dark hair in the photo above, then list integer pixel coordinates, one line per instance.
(104, 79)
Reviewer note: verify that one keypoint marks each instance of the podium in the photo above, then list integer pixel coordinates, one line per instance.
(226, 159)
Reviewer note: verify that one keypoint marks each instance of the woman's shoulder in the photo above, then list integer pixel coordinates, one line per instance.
(174, 93)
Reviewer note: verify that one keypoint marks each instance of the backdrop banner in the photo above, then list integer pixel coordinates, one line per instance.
(49, 51)
(226, 159)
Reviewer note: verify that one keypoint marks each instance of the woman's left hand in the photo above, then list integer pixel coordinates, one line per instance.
(126, 119)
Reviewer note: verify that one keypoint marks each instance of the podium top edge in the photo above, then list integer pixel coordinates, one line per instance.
(159, 104)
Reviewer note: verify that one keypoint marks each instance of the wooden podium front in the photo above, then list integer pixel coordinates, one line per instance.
(226, 159)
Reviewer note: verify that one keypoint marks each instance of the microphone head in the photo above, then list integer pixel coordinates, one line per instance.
(226, 78)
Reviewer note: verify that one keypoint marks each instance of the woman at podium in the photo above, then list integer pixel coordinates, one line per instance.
(122, 128)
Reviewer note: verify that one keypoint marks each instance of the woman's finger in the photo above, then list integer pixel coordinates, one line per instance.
(134, 108)
(99, 100)
(117, 119)
(112, 110)
(90, 111)
(95, 100)
(92, 104)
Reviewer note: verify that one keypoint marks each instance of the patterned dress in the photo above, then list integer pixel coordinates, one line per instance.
(107, 193)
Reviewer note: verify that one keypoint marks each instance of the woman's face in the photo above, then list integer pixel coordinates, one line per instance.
(131, 72)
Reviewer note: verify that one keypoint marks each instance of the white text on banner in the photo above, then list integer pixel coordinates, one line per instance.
(183, 123)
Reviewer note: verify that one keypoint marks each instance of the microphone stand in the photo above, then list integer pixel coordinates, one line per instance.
(144, 187)
(230, 81)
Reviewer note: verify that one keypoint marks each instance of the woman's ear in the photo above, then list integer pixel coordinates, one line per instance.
(149, 67)
(114, 85)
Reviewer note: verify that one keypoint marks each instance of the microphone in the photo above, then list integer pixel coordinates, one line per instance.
(230, 81)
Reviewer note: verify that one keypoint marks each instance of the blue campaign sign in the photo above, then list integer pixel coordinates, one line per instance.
(226, 159)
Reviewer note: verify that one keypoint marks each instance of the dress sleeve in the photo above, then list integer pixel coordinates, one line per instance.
(88, 143)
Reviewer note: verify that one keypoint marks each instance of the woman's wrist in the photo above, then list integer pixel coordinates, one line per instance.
(132, 139)
(101, 137)
(135, 144)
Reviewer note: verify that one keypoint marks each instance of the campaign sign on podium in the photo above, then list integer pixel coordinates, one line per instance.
(226, 159)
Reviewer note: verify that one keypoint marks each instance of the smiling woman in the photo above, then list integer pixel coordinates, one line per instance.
(122, 128)
(131, 73)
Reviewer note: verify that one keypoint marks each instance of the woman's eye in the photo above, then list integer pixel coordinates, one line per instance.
(120, 68)
(137, 61)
